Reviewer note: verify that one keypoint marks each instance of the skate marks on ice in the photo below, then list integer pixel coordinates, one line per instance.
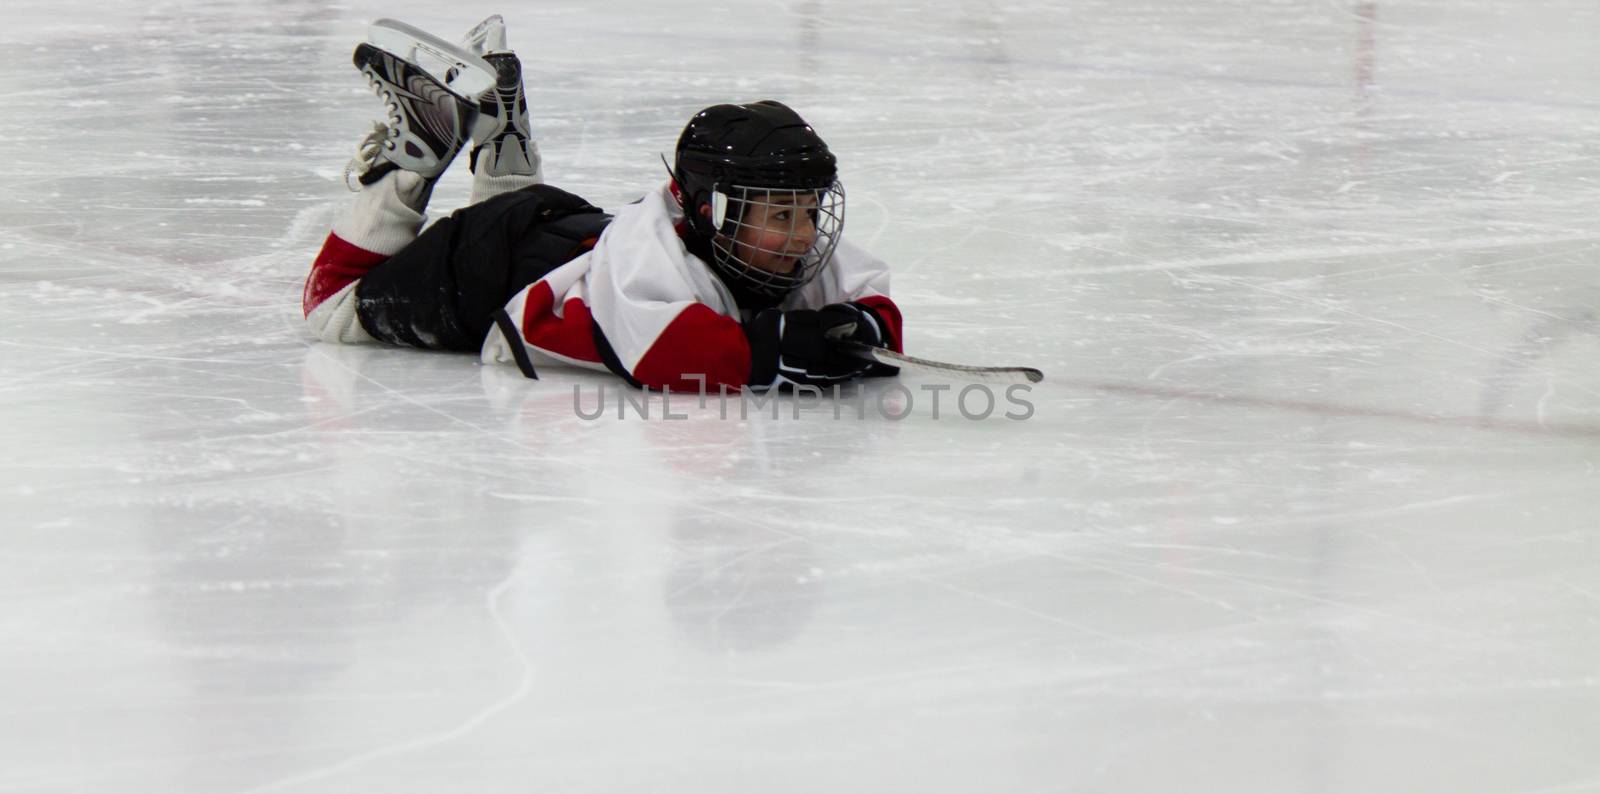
(1250, 520)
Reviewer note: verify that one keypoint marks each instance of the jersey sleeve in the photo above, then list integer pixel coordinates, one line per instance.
(660, 320)
(697, 348)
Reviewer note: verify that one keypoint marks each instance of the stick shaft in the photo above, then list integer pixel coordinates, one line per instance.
(931, 367)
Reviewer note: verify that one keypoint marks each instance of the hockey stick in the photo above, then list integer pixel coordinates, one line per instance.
(979, 374)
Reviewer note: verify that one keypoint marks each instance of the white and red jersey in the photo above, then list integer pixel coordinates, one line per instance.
(640, 304)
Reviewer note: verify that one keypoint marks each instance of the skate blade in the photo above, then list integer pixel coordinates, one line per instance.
(464, 74)
(487, 36)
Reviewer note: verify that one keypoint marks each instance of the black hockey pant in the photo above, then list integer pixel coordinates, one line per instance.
(441, 291)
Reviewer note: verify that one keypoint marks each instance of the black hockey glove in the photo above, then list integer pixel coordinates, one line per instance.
(869, 330)
(796, 346)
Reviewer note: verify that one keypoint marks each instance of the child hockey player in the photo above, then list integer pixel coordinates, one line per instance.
(732, 273)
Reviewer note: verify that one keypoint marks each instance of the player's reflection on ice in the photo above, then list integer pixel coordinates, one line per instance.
(736, 578)
(743, 571)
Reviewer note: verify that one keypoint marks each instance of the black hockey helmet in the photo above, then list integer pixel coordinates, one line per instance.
(731, 157)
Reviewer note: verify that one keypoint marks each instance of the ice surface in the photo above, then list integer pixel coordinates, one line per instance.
(1308, 502)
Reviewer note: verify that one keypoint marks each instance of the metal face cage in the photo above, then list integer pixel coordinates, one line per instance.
(773, 240)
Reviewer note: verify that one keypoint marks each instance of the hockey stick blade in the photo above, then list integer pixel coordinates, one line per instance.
(979, 374)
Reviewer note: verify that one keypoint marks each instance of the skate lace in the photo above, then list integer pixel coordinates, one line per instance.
(380, 138)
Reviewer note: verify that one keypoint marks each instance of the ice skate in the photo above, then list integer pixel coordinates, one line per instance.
(501, 133)
(427, 123)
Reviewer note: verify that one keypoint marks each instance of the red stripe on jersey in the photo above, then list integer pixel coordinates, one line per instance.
(697, 342)
(337, 265)
(890, 314)
(568, 335)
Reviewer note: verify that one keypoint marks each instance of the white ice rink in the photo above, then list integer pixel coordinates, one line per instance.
(1308, 502)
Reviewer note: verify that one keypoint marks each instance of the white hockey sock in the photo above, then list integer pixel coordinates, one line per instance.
(386, 215)
(486, 185)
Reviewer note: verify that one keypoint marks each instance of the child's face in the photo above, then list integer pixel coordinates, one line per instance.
(776, 231)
